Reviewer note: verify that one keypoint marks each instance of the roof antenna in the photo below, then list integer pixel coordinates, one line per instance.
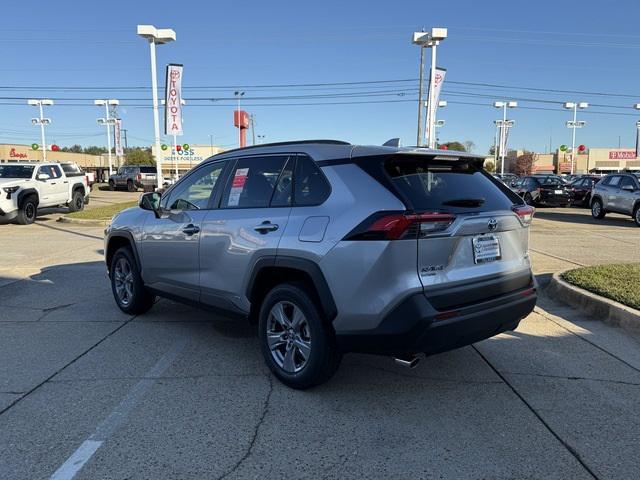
(394, 142)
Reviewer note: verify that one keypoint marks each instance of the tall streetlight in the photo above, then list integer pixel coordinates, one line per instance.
(573, 124)
(41, 121)
(504, 125)
(637, 107)
(239, 94)
(428, 40)
(107, 121)
(155, 36)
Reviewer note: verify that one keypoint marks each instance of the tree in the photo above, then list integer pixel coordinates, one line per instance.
(457, 146)
(492, 150)
(139, 156)
(73, 149)
(93, 150)
(469, 146)
(489, 166)
(524, 164)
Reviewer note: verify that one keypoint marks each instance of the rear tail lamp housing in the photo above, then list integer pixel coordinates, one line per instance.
(525, 213)
(400, 225)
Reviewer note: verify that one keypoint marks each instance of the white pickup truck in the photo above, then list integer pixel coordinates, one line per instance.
(26, 187)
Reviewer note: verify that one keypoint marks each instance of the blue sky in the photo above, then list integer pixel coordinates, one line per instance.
(561, 45)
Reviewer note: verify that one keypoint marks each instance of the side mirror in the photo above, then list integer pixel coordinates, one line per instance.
(150, 201)
(43, 176)
(628, 188)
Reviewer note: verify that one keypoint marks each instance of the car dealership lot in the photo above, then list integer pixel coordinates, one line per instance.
(179, 393)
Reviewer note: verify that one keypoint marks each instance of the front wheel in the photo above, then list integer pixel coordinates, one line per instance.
(297, 344)
(28, 211)
(131, 187)
(128, 289)
(636, 215)
(112, 185)
(597, 211)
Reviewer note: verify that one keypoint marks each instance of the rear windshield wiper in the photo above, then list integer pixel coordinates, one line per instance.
(464, 202)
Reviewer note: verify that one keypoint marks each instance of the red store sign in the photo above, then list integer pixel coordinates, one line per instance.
(14, 154)
(623, 155)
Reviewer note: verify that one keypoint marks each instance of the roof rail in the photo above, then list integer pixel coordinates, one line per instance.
(295, 142)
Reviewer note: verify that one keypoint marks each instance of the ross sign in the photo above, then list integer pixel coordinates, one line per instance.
(173, 100)
(622, 155)
(117, 131)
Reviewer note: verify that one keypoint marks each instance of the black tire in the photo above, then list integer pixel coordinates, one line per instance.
(112, 185)
(138, 299)
(324, 357)
(130, 186)
(636, 215)
(597, 210)
(28, 212)
(77, 201)
(528, 199)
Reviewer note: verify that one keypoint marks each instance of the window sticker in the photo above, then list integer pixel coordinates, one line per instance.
(239, 180)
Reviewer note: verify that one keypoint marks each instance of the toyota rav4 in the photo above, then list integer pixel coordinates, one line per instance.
(333, 248)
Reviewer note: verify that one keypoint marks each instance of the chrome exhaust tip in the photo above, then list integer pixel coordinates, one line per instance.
(411, 361)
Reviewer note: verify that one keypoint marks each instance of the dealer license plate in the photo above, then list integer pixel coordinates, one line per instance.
(558, 192)
(486, 248)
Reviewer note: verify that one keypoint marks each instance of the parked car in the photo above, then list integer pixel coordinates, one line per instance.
(133, 177)
(619, 193)
(26, 187)
(508, 179)
(333, 248)
(580, 189)
(543, 190)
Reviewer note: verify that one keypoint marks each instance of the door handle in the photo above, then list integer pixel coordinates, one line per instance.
(266, 227)
(190, 229)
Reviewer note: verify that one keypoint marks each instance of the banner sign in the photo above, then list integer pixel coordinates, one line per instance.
(622, 155)
(438, 81)
(117, 131)
(173, 100)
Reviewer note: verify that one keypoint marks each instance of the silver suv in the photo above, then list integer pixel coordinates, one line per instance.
(617, 193)
(333, 248)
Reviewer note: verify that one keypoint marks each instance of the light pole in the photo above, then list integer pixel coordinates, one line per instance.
(428, 40)
(41, 121)
(573, 124)
(156, 36)
(504, 125)
(107, 121)
(436, 123)
(637, 107)
(239, 94)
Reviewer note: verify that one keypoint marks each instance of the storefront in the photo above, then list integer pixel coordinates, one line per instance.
(183, 159)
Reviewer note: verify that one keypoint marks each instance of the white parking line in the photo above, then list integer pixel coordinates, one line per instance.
(85, 451)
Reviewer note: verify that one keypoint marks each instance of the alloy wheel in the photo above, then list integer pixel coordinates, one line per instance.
(30, 211)
(123, 281)
(595, 209)
(288, 337)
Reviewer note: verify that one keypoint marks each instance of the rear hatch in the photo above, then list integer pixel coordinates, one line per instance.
(552, 190)
(472, 235)
(147, 175)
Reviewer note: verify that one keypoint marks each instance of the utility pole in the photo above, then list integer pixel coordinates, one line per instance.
(126, 144)
(253, 129)
(420, 94)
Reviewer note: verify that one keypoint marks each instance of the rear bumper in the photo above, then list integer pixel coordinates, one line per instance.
(555, 200)
(8, 217)
(416, 326)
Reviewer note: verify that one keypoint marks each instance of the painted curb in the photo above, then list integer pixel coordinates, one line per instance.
(608, 311)
(83, 222)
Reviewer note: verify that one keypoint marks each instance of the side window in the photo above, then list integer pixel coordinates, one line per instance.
(284, 188)
(614, 181)
(627, 182)
(57, 173)
(311, 186)
(253, 181)
(195, 191)
(52, 170)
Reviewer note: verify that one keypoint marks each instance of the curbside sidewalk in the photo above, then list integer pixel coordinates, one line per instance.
(604, 309)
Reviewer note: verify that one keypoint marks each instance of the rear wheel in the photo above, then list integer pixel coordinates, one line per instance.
(128, 289)
(130, 186)
(597, 211)
(636, 215)
(77, 201)
(297, 344)
(112, 185)
(28, 211)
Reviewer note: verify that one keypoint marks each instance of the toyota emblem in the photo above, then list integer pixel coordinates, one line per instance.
(492, 224)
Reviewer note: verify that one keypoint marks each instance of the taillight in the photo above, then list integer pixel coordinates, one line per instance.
(400, 225)
(139, 176)
(525, 213)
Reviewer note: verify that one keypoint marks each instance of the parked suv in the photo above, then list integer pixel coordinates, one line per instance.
(333, 248)
(619, 193)
(133, 177)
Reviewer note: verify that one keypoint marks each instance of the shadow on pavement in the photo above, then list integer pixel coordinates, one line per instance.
(582, 218)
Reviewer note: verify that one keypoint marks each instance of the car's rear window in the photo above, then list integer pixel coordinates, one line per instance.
(70, 168)
(147, 169)
(444, 185)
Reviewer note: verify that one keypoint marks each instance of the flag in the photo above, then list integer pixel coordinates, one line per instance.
(117, 131)
(173, 100)
(438, 81)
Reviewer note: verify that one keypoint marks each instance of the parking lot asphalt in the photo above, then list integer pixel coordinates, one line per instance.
(88, 392)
